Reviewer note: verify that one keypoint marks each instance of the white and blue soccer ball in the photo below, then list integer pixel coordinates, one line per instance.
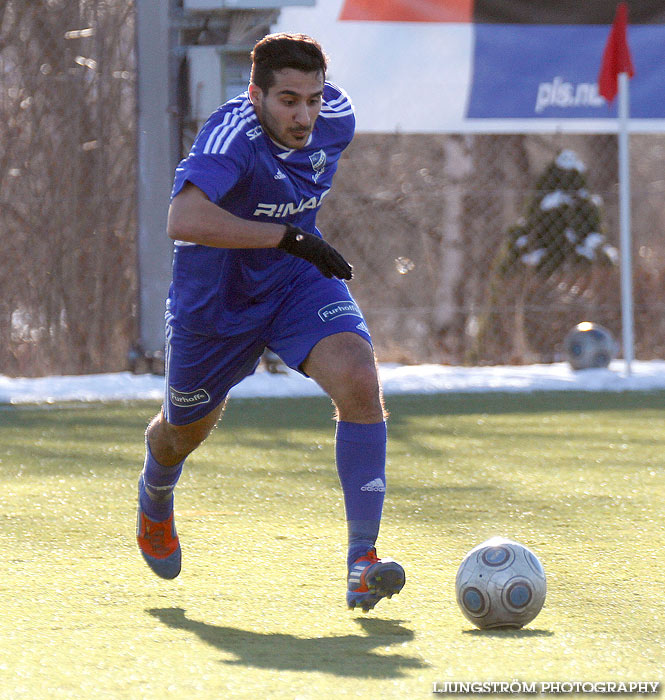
(500, 583)
(589, 346)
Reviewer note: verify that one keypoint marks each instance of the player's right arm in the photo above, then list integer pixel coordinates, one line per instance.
(193, 218)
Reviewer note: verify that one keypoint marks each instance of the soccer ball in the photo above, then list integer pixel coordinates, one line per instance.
(589, 346)
(500, 583)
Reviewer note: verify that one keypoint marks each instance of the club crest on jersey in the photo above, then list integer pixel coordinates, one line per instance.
(318, 161)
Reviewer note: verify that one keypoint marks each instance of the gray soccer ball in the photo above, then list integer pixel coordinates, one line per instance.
(589, 346)
(500, 583)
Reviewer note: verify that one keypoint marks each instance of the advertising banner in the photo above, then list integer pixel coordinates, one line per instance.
(486, 65)
(537, 59)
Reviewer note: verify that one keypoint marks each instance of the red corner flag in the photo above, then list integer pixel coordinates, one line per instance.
(616, 57)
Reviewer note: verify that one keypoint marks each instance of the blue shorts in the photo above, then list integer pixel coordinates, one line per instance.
(201, 369)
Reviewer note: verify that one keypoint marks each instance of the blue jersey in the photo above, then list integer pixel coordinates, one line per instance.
(243, 171)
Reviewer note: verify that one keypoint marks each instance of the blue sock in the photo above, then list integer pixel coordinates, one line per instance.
(360, 450)
(156, 493)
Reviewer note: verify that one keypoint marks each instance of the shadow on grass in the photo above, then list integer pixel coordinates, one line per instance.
(348, 655)
(507, 633)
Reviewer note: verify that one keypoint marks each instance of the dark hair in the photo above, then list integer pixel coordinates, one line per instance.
(277, 51)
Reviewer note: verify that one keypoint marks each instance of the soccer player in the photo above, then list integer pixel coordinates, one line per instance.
(251, 271)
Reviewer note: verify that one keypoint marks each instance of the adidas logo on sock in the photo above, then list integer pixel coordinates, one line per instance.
(374, 485)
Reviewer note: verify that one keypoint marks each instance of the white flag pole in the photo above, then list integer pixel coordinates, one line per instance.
(624, 222)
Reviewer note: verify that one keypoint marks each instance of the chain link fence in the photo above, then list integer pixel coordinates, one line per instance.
(488, 249)
(468, 249)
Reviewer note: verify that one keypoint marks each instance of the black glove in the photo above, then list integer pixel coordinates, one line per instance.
(316, 251)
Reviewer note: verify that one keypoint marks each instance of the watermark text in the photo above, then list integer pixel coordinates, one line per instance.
(516, 687)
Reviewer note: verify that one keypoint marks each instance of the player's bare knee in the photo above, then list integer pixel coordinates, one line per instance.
(359, 398)
(171, 443)
(185, 439)
(356, 411)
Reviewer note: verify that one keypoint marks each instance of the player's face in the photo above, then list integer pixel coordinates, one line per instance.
(288, 110)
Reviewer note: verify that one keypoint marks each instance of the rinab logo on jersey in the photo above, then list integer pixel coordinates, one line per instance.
(288, 208)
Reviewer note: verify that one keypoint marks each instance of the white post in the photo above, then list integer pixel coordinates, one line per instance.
(157, 155)
(624, 221)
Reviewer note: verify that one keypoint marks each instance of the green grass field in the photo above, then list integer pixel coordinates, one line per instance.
(259, 610)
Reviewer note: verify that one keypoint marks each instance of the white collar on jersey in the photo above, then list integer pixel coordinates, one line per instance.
(286, 152)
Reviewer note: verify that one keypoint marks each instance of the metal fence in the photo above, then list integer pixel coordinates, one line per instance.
(468, 249)
(487, 249)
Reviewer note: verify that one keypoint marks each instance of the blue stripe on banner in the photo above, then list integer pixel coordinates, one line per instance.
(551, 72)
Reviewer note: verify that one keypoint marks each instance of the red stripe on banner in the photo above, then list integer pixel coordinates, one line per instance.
(408, 10)
(616, 57)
